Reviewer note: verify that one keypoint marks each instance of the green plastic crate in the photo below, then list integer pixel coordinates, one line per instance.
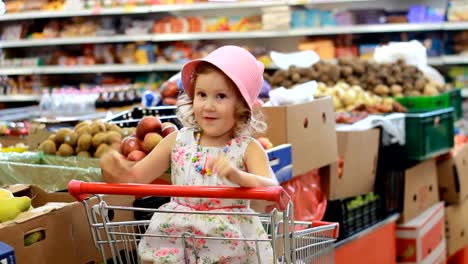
(420, 104)
(456, 101)
(429, 134)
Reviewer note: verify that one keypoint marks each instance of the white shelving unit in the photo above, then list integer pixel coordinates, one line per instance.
(19, 98)
(159, 67)
(355, 29)
(129, 10)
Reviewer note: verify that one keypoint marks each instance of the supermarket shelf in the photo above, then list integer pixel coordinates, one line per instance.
(72, 41)
(331, 30)
(19, 98)
(90, 69)
(139, 9)
(434, 61)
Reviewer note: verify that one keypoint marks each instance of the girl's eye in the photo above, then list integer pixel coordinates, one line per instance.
(201, 94)
(221, 96)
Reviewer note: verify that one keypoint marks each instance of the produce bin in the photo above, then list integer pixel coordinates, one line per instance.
(429, 134)
(51, 173)
(354, 214)
(420, 104)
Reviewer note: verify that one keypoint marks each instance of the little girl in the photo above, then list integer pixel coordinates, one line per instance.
(213, 149)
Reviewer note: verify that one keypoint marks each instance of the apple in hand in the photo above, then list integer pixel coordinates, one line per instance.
(147, 125)
(130, 144)
(167, 128)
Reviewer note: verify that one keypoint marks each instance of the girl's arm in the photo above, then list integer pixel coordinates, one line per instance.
(258, 174)
(118, 170)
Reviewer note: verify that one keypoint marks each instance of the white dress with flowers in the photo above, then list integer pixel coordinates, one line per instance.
(171, 250)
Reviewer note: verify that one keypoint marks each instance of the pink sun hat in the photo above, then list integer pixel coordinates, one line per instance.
(238, 64)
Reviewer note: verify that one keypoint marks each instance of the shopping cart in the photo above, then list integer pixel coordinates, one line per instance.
(292, 241)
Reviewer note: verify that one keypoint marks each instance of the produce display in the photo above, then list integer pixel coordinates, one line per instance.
(87, 139)
(395, 79)
(347, 98)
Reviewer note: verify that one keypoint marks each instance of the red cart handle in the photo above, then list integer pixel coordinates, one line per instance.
(277, 194)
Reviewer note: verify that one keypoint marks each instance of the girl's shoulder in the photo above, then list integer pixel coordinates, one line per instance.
(241, 142)
(185, 135)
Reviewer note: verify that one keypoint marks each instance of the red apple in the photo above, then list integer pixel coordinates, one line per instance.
(146, 125)
(136, 155)
(130, 144)
(151, 140)
(167, 128)
(265, 142)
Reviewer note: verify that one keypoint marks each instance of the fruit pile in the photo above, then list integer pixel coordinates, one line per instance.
(349, 98)
(394, 79)
(11, 207)
(149, 132)
(87, 139)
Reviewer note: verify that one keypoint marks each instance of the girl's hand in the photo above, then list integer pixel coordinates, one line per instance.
(224, 168)
(114, 167)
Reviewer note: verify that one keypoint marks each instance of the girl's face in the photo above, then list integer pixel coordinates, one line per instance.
(214, 104)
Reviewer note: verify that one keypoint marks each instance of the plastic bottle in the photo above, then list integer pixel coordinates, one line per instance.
(45, 104)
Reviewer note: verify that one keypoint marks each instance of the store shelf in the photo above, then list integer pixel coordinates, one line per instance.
(128, 10)
(448, 60)
(58, 69)
(91, 69)
(19, 98)
(331, 30)
(74, 41)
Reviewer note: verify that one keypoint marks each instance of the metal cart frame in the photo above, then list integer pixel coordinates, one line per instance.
(292, 241)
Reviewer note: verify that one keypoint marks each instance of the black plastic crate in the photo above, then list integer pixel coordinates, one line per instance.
(354, 218)
(131, 118)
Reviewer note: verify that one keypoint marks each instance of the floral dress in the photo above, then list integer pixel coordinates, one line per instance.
(160, 250)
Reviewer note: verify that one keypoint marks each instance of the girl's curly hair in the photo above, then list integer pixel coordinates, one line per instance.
(249, 122)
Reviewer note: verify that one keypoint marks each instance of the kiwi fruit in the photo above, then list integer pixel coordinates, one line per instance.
(83, 154)
(65, 150)
(71, 139)
(61, 134)
(98, 139)
(48, 147)
(113, 137)
(84, 142)
(101, 149)
(97, 127)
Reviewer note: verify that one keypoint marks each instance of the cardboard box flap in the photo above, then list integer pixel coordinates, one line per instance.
(461, 171)
(421, 189)
(279, 115)
(456, 227)
(453, 176)
(15, 188)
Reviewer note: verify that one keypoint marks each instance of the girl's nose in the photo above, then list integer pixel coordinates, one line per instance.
(210, 104)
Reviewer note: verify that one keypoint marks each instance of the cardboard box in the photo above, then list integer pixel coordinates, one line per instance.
(421, 190)
(359, 151)
(456, 227)
(64, 223)
(422, 240)
(309, 128)
(453, 177)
